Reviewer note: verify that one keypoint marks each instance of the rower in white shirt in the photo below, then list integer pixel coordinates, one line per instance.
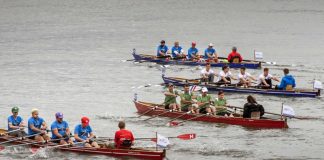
(225, 76)
(245, 78)
(265, 79)
(207, 74)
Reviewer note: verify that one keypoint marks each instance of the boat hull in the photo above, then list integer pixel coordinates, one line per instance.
(234, 89)
(250, 65)
(143, 107)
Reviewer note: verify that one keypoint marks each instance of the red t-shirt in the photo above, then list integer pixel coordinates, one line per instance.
(122, 135)
(234, 55)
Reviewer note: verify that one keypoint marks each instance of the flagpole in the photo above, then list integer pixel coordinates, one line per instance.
(156, 146)
(282, 110)
(254, 55)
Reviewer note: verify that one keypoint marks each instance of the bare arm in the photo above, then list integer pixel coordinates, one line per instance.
(56, 133)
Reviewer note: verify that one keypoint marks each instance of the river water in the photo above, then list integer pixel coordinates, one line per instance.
(67, 56)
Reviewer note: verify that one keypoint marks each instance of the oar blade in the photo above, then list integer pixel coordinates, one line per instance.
(154, 139)
(173, 123)
(2, 148)
(187, 136)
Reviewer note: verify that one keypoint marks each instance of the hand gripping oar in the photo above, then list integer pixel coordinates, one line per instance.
(177, 123)
(20, 138)
(165, 112)
(4, 133)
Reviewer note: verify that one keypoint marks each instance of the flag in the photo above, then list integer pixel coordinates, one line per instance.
(318, 84)
(258, 55)
(194, 88)
(162, 141)
(288, 111)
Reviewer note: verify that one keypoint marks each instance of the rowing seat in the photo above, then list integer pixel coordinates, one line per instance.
(236, 60)
(255, 115)
(289, 88)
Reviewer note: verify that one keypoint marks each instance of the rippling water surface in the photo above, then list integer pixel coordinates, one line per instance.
(67, 56)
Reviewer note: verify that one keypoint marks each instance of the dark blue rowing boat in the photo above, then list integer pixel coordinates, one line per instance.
(152, 58)
(253, 90)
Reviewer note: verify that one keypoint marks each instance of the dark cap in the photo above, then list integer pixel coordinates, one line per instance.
(163, 41)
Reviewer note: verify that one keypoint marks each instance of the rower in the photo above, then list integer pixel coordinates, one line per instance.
(177, 51)
(207, 74)
(210, 54)
(170, 101)
(124, 138)
(37, 127)
(193, 54)
(83, 133)
(220, 105)
(234, 57)
(245, 78)
(162, 49)
(60, 130)
(204, 101)
(15, 122)
(287, 82)
(252, 109)
(187, 100)
(265, 79)
(225, 76)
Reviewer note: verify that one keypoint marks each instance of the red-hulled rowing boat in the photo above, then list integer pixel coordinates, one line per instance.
(151, 109)
(134, 153)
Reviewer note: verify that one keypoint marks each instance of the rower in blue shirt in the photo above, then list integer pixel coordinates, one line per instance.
(193, 54)
(16, 124)
(37, 127)
(177, 51)
(210, 54)
(287, 82)
(60, 130)
(162, 50)
(83, 133)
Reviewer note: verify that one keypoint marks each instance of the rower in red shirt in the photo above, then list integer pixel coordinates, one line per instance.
(123, 138)
(234, 56)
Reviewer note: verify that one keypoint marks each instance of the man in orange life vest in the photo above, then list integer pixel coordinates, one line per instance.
(234, 55)
(123, 138)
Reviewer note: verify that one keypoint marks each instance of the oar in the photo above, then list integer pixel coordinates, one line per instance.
(165, 112)
(19, 138)
(148, 111)
(2, 134)
(187, 136)
(35, 150)
(277, 114)
(273, 63)
(177, 123)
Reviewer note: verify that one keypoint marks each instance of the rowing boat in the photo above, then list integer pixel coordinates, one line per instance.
(152, 58)
(237, 89)
(143, 107)
(133, 153)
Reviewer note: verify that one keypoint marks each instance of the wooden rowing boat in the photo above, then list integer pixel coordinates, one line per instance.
(152, 58)
(254, 90)
(133, 153)
(143, 107)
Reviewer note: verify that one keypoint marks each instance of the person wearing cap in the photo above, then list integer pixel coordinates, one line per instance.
(204, 101)
(193, 54)
(245, 78)
(210, 54)
(37, 127)
(225, 76)
(187, 100)
(83, 133)
(177, 51)
(287, 82)
(265, 79)
(170, 100)
(207, 74)
(162, 50)
(16, 123)
(234, 56)
(60, 130)
(124, 138)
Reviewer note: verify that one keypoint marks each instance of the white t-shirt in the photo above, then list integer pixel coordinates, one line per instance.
(269, 76)
(245, 76)
(204, 72)
(223, 74)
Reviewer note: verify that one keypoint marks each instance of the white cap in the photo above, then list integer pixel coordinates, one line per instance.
(34, 110)
(210, 44)
(204, 89)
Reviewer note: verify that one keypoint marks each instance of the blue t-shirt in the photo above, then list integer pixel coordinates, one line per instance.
(83, 133)
(287, 80)
(163, 49)
(210, 51)
(36, 122)
(13, 121)
(178, 49)
(192, 51)
(61, 128)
